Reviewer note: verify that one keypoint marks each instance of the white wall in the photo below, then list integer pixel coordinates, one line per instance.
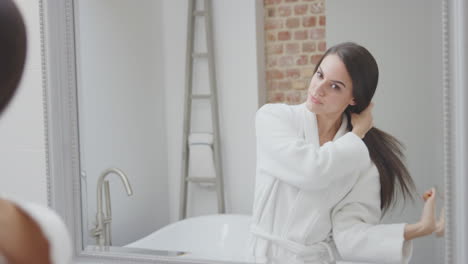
(121, 112)
(22, 153)
(237, 80)
(405, 37)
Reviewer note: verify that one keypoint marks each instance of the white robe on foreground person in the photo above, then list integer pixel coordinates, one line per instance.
(317, 204)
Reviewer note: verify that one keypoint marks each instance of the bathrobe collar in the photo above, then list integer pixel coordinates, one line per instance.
(311, 129)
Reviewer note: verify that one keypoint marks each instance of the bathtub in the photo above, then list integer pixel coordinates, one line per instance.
(218, 237)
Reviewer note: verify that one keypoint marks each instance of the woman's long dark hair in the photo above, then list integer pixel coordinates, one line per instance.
(384, 149)
(12, 50)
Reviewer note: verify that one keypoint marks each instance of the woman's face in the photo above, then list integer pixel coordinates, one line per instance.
(331, 89)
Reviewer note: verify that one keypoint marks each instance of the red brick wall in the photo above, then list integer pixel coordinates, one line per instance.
(294, 41)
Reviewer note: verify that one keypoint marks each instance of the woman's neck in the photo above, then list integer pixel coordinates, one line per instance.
(328, 125)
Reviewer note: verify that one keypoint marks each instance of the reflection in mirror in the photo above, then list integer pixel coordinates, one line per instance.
(131, 79)
(131, 61)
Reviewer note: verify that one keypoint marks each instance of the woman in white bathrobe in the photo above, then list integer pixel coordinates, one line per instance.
(324, 174)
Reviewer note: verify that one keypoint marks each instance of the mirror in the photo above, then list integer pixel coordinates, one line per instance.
(127, 97)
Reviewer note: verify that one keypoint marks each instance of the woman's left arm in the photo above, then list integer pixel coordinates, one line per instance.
(356, 230)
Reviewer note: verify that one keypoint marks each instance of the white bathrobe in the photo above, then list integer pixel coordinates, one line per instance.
(317, 204)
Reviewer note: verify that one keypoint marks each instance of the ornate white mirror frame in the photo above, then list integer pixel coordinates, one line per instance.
(61, 123)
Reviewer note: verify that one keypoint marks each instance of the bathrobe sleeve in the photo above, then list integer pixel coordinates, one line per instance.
(356, 230)
(284, 154)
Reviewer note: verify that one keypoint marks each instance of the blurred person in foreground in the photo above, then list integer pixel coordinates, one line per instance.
(29, 232)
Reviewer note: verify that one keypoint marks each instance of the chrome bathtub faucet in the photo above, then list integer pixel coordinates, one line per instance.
(102, 230)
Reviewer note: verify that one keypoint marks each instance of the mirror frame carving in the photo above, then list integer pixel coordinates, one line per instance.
(62, 140)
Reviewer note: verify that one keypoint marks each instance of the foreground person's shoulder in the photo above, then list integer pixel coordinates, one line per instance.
(52, 228)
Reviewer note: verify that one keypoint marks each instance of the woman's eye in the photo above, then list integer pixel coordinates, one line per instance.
(335, 86)
(319, 74)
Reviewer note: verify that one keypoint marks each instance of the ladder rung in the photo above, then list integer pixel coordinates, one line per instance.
(201, 96)
(199, 13)
(199, 55)
(201, 179)
(201, 144)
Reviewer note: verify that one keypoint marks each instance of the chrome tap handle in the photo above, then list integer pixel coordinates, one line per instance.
(108, 216)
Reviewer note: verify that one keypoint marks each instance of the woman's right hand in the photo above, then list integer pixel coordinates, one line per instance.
(363, 121)
(428, 216)
(427, 224)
